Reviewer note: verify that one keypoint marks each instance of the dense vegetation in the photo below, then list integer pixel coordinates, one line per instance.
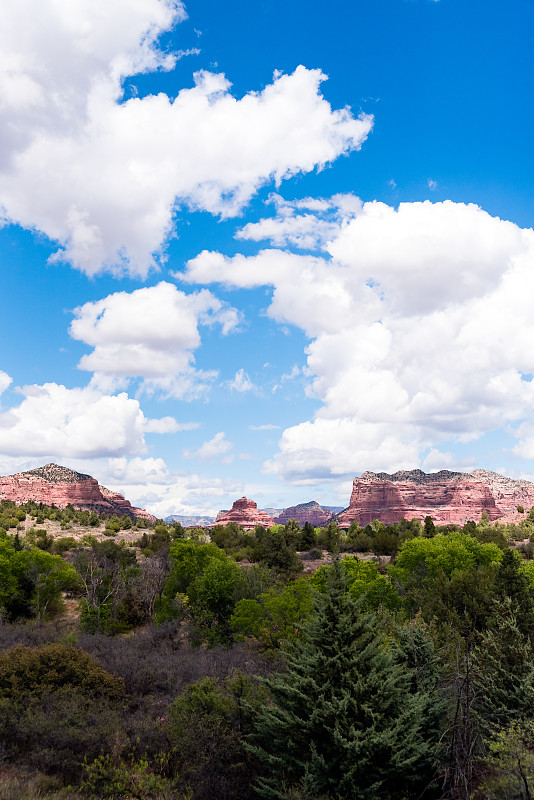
(274, 663)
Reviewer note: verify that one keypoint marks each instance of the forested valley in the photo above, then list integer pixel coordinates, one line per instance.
(299, 663)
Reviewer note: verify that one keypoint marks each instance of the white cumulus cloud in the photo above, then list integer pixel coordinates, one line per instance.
(103, 175)
(149, 483)
(54, 421)
(150, 333)
(420, 324)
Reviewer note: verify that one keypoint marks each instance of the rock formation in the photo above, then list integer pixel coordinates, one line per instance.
(305, 512)
(448, 497)
(246, 513)
(59, 486)
(508, 493)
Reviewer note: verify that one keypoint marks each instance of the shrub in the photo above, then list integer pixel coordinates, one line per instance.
(26, 671)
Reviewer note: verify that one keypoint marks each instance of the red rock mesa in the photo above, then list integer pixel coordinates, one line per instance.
(447, 497)
(59, 486)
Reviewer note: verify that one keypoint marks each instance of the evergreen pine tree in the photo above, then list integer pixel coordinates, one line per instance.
(417, 655)
(343, 722)
(429, 528)
(308, 538)
(503, 665)
(511, 582)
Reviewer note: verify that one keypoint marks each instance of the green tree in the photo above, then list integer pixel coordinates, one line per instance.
(343, 722)
(50, 576)
(510, 764)
(429, 528)
(503, 667)
(106, 570)
(448, 577)
(188, 560)
(308, 537)
(275, 615)
(214, 593)
(270, 547)
(511, 581)
(31, 581)
(206, 723)
(207, 583)
(364, 583)
(292, 533)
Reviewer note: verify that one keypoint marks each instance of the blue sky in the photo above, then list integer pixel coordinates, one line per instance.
(259, 248)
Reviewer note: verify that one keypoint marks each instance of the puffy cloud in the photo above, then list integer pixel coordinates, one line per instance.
(327, 449)
(211, 449)
(5, 381)
(150, 333)
(149, 483)
(308, 231)
(425, 256)
(420, 325)
(136, 471)
(131, 163)
(308, 290)
(187, 494)
(53, 421)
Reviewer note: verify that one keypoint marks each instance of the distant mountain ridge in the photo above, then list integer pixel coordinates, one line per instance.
(304, 512)
(190, 521)
(310, 512)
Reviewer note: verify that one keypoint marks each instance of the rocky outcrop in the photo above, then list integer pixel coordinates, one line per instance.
(246, 513)
(59, 486)
(305, 512)
(508, 493)
(448, 497)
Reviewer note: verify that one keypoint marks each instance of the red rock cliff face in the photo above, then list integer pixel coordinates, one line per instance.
(448, 497)
(59, 486)
(246, 513)
(305, 512)
(508, 493)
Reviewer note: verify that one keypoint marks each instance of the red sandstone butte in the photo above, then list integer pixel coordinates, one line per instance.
(305, 512)
(447, 497)
(246, 513)
(59, 486)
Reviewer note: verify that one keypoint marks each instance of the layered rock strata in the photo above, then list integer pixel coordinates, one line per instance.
(508, 493)
(305, 512)
(447, 497)
(246, 513)
(59, 486)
